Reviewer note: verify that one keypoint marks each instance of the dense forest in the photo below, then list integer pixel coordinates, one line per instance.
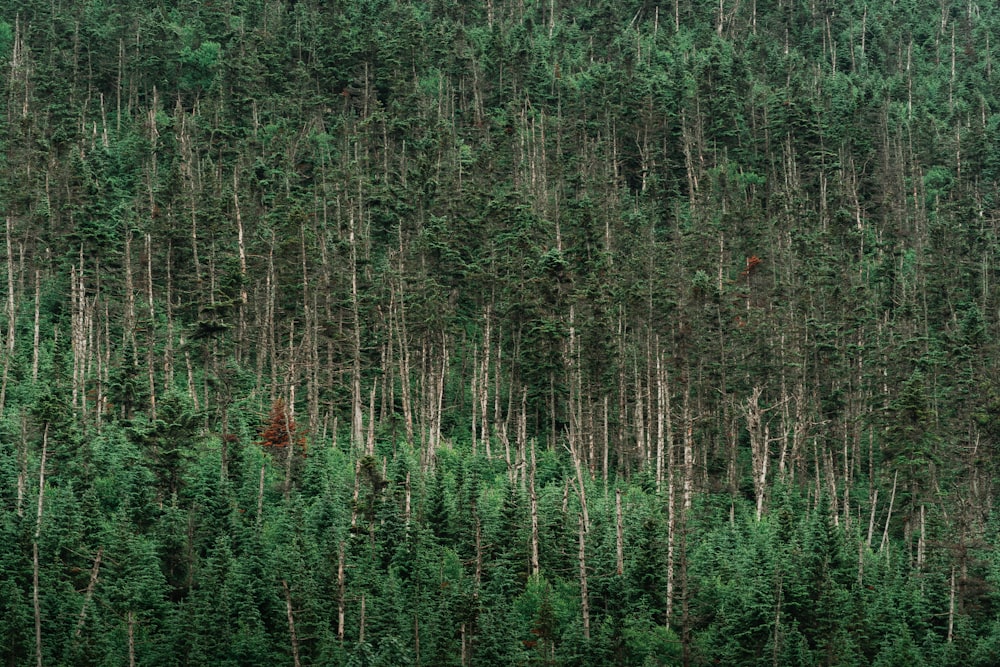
(522, 332)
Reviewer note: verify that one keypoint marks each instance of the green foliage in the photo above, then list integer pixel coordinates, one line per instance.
(529, 222)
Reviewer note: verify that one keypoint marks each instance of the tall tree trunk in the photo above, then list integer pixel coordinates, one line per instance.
(130, 630)
(534, 513)
(34, 547)
(89, 592)
(242, 325)
(129, 290)
(150, 337)
(291, 624)
(341, 592)
(758, 447)
(484, 392)
(584, 596)
(11, 315)
(619, 535)
(356, 400)
(36, 346)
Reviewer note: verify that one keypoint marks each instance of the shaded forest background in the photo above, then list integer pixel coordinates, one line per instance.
(513, 332)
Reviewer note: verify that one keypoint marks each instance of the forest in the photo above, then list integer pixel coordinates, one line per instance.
(515, 332)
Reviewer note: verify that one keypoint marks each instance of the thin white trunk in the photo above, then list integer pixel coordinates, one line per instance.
(619, 535)
(89, 593)
(951, 607)
(356, 421)
(130, 624)
(291, 624)
(34, 547)
(534, 513)
(484, 379)
(660, 413)
(871, 520)
(37, 331)
(584, 596)
(152, 318)
(341, 592)
(888, 517)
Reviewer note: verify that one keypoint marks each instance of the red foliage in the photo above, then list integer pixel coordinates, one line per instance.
(752, 262)
(280, 430)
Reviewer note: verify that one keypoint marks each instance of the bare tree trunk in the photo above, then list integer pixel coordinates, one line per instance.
(22, 465)
(89, 593)
(289, 422)
(416, 637)
(688, 454)
(77, 340)
(534, 514)
(584, 597)
(479, 556)
(951, 607)
(356, 419)
(37, 331)
(271, 323)
(192, 389)
(581, 486)
(484, 430)
(168, 348)
(661, 409)
(34, 547)
(11, 314)
(291, 624)
(921, 542)
(888, 517)
(406, 506)
(871, 520)
(404, 349)
(361, 628)
(671, 533)
(619, 535)
(758, 448)
(640, 422)
(357, 493)
(474, 405)
(130, 623)
(685, 605)
(606, 445)
(370, 437)
(129, 291)
(241, 331)
(152, 328)
(341, 592)
(189, 173)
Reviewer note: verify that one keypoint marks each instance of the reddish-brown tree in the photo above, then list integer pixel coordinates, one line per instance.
(280, 431)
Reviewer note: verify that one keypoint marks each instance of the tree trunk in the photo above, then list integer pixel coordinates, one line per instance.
(89, 593)
(341, 592)
(619, 535)
(34, 547)
(150, 338)
(888, 516)
(130, 624)
(584, 596)
(291, 624)
(758, 448)
(361, 624)
(242, 326)
(11, 315)
(356, 414)
(37, 329)
(534, 513)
